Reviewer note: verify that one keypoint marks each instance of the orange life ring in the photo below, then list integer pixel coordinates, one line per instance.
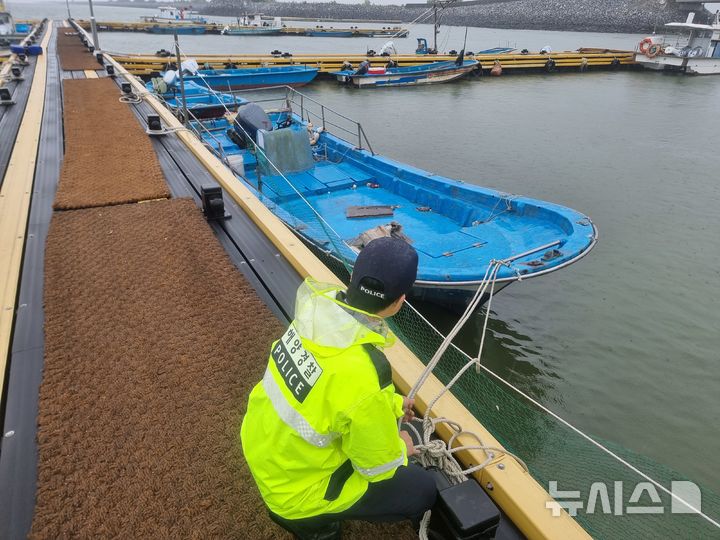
(653, 50)
(645, 45)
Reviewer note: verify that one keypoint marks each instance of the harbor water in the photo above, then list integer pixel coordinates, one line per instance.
(624, 344)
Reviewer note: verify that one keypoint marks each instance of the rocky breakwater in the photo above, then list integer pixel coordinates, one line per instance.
(632, 16)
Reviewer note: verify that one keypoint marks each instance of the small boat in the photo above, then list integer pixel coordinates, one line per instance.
(338, 195)
(250, 31)
(176, 14)
(180, 29)
(319, 32)
(434, 72)
(699, 54)
(235, 79)
(202, 102)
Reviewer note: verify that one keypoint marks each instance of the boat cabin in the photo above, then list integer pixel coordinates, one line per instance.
(702, 39)
(7, 25)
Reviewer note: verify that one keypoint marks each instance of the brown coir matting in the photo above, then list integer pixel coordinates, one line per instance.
(153, 342)
(108, 157)
(74, 56)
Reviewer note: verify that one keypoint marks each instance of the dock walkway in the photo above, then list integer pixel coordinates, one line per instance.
(152, 342)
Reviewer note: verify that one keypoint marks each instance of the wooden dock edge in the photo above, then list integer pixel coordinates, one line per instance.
(519, 495)
(15, 196)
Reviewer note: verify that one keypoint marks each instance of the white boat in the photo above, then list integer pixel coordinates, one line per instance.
(7, 25)
(176, 15)
(697, 54)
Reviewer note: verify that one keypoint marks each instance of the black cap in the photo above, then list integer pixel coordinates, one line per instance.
(384, 270)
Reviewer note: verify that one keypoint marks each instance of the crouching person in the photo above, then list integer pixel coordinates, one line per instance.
(321, 430)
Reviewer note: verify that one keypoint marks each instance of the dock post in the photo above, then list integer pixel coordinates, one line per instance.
(93, 26)
(184, 113)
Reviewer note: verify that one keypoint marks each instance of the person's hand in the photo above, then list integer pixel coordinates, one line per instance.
(405, 436)
(407, 407)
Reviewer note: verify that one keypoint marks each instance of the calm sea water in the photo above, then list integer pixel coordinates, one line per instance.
(625, 344)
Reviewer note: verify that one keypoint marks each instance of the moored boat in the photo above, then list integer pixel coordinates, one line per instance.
(201, 101)
(250, 31)
(337, 196)
(328, 32)
(432, 73)
(169, 13)
(235, 79)
(698, 54)
(170, 28)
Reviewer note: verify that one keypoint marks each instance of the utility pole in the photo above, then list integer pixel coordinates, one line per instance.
(93, 26)
(185, 116)
(435, 26)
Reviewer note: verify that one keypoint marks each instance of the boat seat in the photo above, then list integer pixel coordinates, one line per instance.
(457, 210)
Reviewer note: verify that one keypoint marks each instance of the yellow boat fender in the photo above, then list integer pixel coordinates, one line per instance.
(583, 64)
(496, 70)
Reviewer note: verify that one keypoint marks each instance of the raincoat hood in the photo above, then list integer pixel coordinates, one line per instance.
(324, 321)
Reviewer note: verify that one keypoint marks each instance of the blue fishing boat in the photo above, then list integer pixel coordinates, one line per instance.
(201, 101)
(250, 31)
(235, 79)
(338, 195)
(432, 73)
(316, 32)
(180, 29)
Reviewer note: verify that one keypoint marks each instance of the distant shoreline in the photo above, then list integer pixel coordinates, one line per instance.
(610, 16)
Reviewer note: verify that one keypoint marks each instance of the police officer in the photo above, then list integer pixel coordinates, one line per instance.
(321, 430)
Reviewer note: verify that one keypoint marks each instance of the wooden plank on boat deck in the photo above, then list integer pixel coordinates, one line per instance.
(15, 196)
(90, 74)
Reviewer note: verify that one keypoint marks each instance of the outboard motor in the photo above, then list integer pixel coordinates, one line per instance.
(251, 117)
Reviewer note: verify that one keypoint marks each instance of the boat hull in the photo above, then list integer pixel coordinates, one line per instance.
(179, 29)
(329, 34)
(252, 31)
(412, 76)
(691, 66)
(238, 79)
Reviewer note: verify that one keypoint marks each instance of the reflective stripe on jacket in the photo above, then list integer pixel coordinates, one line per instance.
(321, 424)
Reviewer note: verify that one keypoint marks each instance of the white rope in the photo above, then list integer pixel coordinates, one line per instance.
(436, 452)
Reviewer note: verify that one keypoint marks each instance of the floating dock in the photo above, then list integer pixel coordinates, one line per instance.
(132, 330)
(217, 28)
(150, 65)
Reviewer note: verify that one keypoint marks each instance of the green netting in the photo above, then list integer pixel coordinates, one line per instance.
(554, 452)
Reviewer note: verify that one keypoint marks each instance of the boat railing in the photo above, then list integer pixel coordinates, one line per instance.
(327, 116)
(314, 111)
(198, 123)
